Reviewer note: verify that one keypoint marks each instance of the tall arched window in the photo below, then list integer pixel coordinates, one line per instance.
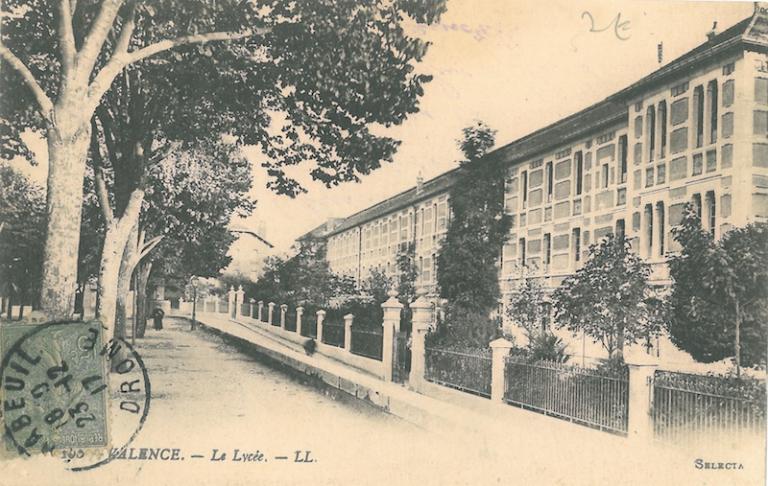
(713, 100)
(662, 129)
(650, 121)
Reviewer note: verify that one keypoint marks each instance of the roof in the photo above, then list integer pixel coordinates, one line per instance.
(752, 31)
(404, 199)
(321, 230)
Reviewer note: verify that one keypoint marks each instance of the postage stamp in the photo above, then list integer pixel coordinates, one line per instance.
(58, 397)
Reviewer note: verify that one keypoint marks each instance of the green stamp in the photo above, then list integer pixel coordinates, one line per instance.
(54, 386)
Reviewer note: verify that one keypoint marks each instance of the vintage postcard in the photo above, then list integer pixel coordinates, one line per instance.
(432, 242)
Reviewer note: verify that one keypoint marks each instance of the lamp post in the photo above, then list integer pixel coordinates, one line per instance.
(194, 281)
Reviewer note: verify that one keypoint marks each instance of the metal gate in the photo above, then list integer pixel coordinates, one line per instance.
(401, 365)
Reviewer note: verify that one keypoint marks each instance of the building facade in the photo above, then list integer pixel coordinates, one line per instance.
(694, 131)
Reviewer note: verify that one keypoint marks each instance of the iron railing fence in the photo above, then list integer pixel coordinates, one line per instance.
(309, 325)
(333, 334)
(290, 319)
(275, 315)
(688, 406)
(464, 371)
(223, 306)
(210, 306)
(593, 397)
(368, 342)
(245, 309)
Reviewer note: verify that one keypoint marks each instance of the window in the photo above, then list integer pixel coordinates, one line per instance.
(620, 230)
(711, 212)
(604, 178)
(623, 154)
(442, 216)
(524, 187)
(648, 216)
(521, 249)
(662, 129)
(696, 203)
(698, 106)
(660, 220)
(650, 121)
(576, 239)
(579, 161)
(550, 181)
(712, 95)
(547, 249)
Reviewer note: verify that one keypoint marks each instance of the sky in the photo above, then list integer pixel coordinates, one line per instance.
(517, 65)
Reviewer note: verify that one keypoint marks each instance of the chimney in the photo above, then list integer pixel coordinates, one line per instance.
(419, 183)
(712, 33)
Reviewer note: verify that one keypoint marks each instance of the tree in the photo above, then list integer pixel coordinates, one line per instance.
(407, 271)
(609, 298)
(22, 218)
(527, 308)
(466, 272)
(61, 58)
(718, 306)
(190, 199)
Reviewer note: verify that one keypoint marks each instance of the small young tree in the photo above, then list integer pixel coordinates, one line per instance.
(406, 274)
(526, 307)
(608, 298)
(719, 300)
(377, 285)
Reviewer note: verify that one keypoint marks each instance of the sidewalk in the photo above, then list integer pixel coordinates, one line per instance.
(501, 430)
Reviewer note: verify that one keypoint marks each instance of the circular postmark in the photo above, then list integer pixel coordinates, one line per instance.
(59, 397)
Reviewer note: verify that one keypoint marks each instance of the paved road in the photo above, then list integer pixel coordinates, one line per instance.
(207, 395)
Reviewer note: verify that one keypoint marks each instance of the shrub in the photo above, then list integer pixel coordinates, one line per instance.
(547, 347)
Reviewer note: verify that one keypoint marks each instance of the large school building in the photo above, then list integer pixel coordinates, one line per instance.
(694, 131)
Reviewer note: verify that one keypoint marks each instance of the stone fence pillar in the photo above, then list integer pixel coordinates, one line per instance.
(348, 331)
(283, 310)
(320, 319)
(391, 324)
(231, 296)
(499, 351)
(270, 312)
(640, 420)
(299, 313)
(240, 300)
(250, 307)
(422, 319)
(261, 310)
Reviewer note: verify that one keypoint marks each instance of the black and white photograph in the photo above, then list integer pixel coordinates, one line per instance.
(383, 242)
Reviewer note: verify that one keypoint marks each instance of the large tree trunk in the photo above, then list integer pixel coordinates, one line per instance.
(141, 294)
(67, 153)
(109, 271)
(620, 343)
(124, 282)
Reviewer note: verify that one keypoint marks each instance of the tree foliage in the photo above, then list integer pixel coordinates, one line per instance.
(526, 307)
(303, 279)
(192, 196)
(22, 216)
(466, 270)
(304, 81)
(467, 273)
(710, 279)
(609, 298)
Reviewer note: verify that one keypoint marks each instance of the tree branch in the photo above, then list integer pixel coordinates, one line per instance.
(66, 37)
(98, 176)
(94, 41)
(129, 24)
(118, 61)
(167, 44)
(149, 246)
(46, 106)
